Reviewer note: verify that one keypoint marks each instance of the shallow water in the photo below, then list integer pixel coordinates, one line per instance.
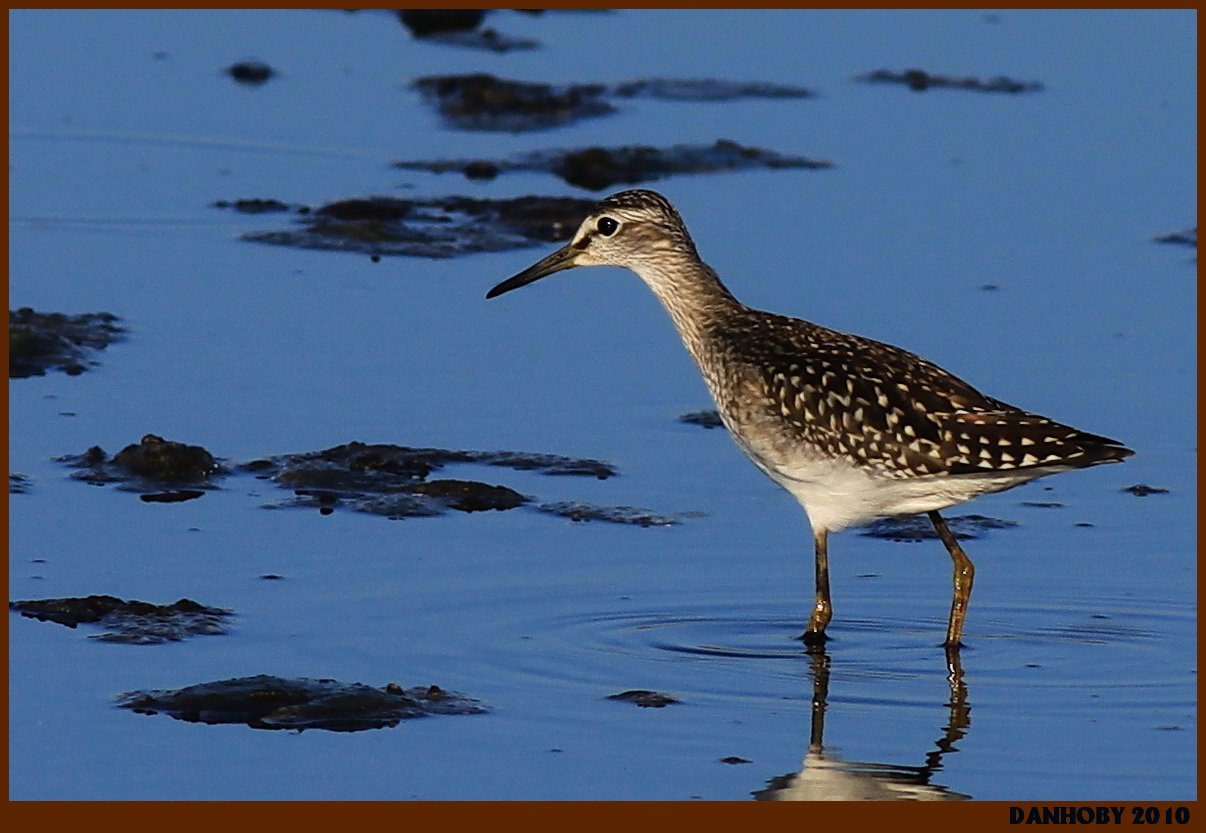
(1080, 675)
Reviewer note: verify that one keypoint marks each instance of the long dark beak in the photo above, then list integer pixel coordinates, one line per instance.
(558, 261)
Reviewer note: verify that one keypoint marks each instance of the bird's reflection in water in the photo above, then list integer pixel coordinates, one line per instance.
(825, 777)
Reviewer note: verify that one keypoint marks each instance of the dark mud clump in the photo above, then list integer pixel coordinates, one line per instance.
(459, 27)
(422, 499)
(391, 480)
(250, 73)
(382, 467)
(706, 89)
(160, 459)
(1143, 490)
(171, 496)
(911, 528)
(259, 206)
(268, 702)
(378, 479)
(436, 228)
(41, 341)
(596, 168)
(131, 622)
(1187, 237)
(632, 515)
(919, 80)
(470, 496)
(484, 102)
(644, 698)
(392, 506)
(424, 22)
(707, 419)
(148, 467)
(553, 465)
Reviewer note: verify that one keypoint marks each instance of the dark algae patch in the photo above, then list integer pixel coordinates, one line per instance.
(459, 27)
(551, 464)
(130, 622)
(250, 73)
(378, 479)
(420, 499)
(469, 495)
(1143, 490)
(632, 515)
(42, 341)
(1186, 237)
(269, 702)
(384, 467)
(259, 206)
(425, 22)
(644, 698)
(393, 481)
(911, 528)
(596, 168)
(706, 89)
(709, 418)
(484, 102)
(171, 496)
(160, 459)
(151, 466)
(919, 80)
(436, 228)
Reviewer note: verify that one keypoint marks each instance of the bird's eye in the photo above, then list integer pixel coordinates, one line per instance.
(607, 226)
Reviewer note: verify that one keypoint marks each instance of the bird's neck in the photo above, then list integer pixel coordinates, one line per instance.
(692, 293)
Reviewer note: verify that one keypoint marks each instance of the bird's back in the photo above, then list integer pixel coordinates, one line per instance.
(878, 407)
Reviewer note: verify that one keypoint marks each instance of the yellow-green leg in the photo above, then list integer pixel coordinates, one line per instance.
(964, 575)
(822, 610)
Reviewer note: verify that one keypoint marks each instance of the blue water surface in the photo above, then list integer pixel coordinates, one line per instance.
(1080, 678)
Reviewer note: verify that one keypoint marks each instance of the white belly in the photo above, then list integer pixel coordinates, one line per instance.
(837, 495)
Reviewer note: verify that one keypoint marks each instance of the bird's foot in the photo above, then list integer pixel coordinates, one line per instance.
(811, 637)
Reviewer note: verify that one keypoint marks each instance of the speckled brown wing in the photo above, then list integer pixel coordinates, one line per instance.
(887, 409)
(1014, 439)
